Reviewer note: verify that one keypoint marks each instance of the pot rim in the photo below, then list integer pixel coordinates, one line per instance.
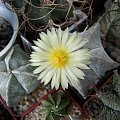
(8, 13)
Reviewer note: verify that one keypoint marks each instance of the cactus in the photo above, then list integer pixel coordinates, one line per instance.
(111, 100)
(16, 78)
(108, 114)
(111, 97)
(39, 12)
(110, 23)
(116, 82)
(55, 107)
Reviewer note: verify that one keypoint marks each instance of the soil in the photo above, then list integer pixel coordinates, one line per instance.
(6, 33)
(94, 107)
(27, 101)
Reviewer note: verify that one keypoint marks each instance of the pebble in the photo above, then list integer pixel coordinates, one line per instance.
(29, 100)
(25, 107)
(45, 92)
(27, 103)
(94, 107)
(36, 114)
(25, 98)
(33, 100)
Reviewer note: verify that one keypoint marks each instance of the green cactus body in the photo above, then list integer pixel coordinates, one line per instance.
(111, 97)
(108, 114)
(19, 3)
(111, 100)
(39, 12)
(16, 77)
(37, 15)
(116, 82)
(55, 107)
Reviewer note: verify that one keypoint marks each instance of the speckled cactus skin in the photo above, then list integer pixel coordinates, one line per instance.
(111, 100)
(16, 77)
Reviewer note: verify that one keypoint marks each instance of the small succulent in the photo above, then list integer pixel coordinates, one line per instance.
(55, 107)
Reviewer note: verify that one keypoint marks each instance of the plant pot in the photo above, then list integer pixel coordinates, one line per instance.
(52, 92)
(97, 87)
(108, 92)
(6, 112)
(26, 103)
(7, 12)
(92, 107)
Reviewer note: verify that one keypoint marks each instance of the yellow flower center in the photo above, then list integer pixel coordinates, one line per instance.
(59, 58)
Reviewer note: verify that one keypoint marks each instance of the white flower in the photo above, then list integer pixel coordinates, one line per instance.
(59, 57)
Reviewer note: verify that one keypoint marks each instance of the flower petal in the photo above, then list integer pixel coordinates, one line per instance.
(65, 36)
(42, 45)
(36, 48)
(43, 37)
(52, 39)
(53, 82)
(36, 64)
(39, 56)
(55, 37)
(78, 46)
(72, 78)
(43, 73)
(64, 80)
(77, 72)
(81, 65)
(41, 68)
(79, 53)
(48, 76)
(71, 38)
(59, 33)
(57, 83)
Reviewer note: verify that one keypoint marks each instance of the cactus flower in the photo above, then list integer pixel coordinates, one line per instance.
(59, 58)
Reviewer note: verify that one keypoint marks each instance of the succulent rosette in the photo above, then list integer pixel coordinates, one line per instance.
(60, 57)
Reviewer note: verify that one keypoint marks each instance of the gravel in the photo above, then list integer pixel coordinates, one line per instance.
(38, 114)
(27, 101)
